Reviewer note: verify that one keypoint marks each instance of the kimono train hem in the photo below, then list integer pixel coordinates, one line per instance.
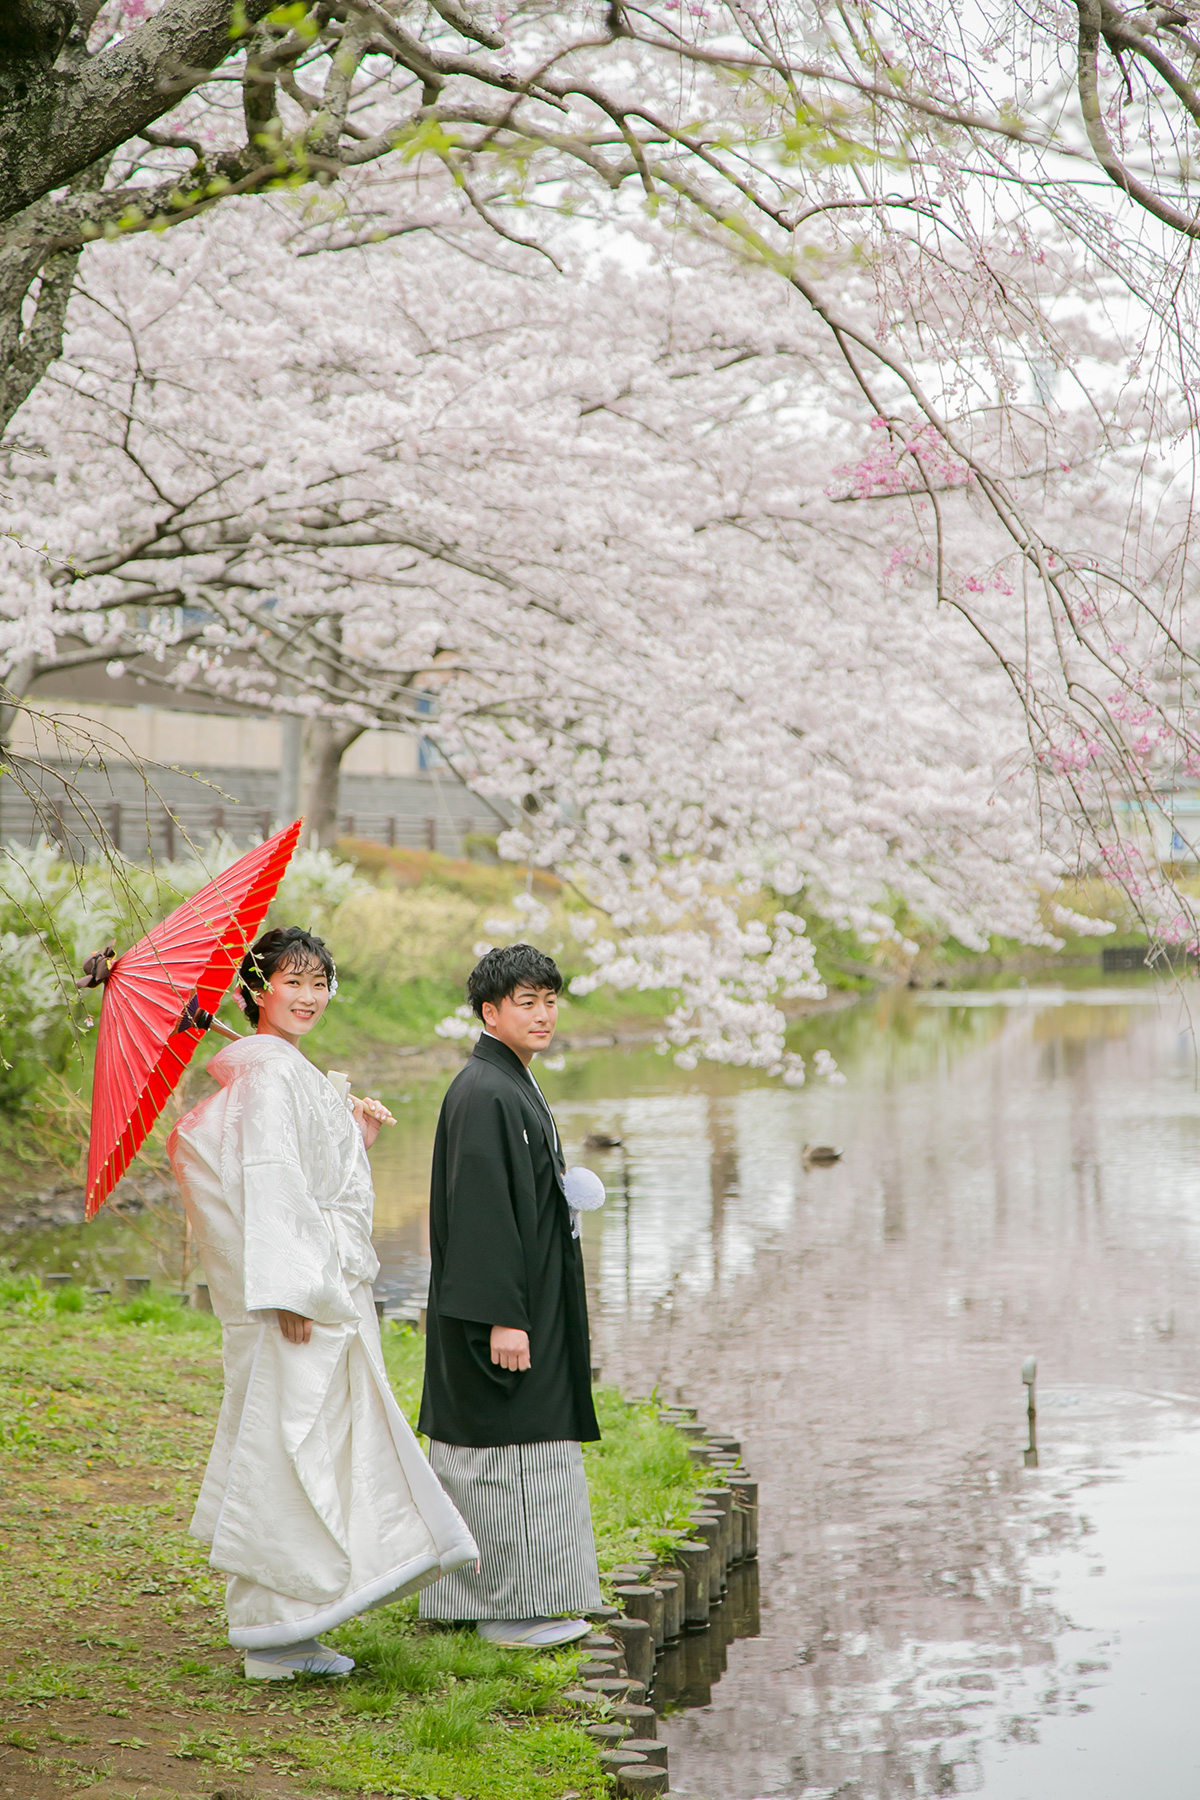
(381, 1592)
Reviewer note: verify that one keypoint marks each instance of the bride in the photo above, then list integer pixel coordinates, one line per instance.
(317, 1501)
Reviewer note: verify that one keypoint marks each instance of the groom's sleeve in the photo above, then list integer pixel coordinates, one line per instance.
(489, 1184)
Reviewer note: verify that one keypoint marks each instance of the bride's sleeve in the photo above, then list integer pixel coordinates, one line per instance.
(291, 1255)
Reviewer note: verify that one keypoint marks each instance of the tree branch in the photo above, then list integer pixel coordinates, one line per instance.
(1091, 23)
(69, 118)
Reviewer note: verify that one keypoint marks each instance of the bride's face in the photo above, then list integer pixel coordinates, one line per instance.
(293, 1000)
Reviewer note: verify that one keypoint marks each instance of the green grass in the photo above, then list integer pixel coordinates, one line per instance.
(113, 1657)
(641, 1481)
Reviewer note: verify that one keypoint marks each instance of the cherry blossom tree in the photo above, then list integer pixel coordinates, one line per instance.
(676, 606)
(995, 389)
(765, 125)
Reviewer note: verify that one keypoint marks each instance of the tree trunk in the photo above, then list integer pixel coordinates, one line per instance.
(34, 31)
(26, 351)
(325, 744)
(29, 345)
(55, 121)
(12, 692)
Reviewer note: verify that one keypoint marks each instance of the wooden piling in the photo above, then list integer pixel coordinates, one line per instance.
(720, 1499)
(640, 1778)
(610, 1734)
(642, 1720)
(694, 1558)
(707, 1525)
(641, 1601)
(619, 1690)
(745, 1490)
(653, 1749)
(614, 1761)
(637, 1645)
(670, 1585)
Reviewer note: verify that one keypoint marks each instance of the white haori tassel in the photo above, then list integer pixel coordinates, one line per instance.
(585, 1193)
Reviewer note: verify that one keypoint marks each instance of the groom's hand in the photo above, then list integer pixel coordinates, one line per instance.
(510, 1347)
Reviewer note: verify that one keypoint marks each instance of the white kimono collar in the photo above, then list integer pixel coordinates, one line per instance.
(254, 1048)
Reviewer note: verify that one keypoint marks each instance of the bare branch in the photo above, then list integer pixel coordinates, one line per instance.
(1090, 32)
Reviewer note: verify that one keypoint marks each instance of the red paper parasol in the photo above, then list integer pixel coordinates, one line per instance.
(190, 958)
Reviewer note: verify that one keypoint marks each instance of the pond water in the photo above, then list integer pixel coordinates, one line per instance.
(936, 1608)
(1020, 1175)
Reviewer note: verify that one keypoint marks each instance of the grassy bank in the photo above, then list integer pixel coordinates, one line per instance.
(115, 1677)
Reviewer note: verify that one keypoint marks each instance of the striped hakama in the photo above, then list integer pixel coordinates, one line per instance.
(526, 1506)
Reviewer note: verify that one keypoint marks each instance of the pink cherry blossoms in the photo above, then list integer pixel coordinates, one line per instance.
(783, 512)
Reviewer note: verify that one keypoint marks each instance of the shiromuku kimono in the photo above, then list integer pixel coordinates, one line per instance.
(506, 1444)
(317, 1501)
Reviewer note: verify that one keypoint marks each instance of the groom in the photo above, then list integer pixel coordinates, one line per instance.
(507, 1398)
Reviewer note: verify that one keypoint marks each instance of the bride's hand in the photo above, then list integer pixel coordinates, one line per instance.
(370, 1115)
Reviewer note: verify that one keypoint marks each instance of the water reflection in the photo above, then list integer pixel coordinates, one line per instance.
(687, 1671)
(1016, 1178)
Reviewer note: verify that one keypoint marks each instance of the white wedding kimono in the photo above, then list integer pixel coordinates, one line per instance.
(317, 1500)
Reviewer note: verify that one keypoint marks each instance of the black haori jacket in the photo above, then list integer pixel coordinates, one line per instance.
(502, 1253)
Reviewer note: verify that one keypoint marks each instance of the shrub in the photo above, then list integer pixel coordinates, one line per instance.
(22, 1294)
(34, 1033)
(315, 885)
(387, 935)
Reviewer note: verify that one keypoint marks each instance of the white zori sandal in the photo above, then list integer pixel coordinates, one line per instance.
(309, 1657)
(532, 1634)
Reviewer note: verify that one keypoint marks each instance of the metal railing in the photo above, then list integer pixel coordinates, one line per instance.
(162, 833)
(409, 832)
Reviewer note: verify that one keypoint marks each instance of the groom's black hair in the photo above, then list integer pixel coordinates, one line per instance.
(501, 972)
(283, 947)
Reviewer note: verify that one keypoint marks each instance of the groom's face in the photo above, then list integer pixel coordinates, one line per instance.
(524, 1020)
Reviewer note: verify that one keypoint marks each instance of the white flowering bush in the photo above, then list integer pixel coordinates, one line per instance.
(315, 885)
(32, 1016)
(55, 914)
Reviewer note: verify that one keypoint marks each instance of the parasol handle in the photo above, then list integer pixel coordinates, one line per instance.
(195, 1017)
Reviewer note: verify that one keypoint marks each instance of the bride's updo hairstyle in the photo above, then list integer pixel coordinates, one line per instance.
(284, 947)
